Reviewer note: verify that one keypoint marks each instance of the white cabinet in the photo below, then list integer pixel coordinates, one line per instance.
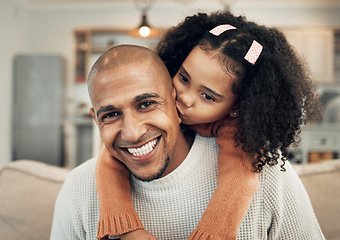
(316, 47)
(320, 138)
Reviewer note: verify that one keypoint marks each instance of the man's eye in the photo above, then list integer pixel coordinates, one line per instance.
(145, 105)
(110, 115)
(184, 79)
(208, 97)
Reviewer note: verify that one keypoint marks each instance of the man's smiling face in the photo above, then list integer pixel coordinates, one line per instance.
(133, 106)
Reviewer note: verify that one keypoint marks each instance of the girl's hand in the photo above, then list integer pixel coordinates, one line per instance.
(138, 235)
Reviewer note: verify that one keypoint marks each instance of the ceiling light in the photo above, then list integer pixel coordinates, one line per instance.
(144, 27)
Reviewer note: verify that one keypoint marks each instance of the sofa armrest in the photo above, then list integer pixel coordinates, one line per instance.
(28, 190)
(322, 182)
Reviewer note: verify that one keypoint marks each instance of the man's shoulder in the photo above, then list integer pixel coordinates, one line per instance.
(76, 208)
(80, 184)
(85, 171)
(274, 180)
(277, 171)
(205, 147)
(205, 141)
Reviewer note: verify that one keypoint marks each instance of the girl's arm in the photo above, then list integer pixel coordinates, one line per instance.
(237, 183)
(116, 211)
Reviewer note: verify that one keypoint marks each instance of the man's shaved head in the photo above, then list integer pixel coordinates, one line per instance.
(133, 105)
(124, 55)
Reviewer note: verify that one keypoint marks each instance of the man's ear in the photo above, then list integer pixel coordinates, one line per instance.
(173, 93)
(93, 114)
(174, 96)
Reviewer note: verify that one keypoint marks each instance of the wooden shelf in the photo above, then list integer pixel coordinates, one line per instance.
(91, 42)
(100, 49)
(337, 46)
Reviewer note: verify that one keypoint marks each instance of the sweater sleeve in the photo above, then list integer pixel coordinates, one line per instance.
(116, 211)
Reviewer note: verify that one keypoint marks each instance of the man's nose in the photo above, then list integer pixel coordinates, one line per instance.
(133, 128)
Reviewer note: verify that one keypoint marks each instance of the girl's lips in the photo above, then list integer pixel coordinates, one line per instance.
(183, 116)
(178, 109)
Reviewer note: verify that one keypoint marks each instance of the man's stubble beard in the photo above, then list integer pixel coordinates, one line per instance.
(156, 175)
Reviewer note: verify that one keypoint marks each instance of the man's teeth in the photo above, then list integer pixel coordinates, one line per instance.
(145, 149)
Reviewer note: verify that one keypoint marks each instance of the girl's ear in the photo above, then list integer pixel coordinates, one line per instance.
(234, 112)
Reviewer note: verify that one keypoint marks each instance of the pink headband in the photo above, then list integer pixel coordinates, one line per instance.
(255, 49)
(253, 52)
(221, 29)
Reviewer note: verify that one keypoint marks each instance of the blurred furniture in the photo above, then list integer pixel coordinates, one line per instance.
(321, 138)
(92, 42)
(28, 190)
(322, 182)
(317, 48)
(332, 111)
(38, 108)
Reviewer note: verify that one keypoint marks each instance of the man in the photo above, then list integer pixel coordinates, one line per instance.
(133, 105)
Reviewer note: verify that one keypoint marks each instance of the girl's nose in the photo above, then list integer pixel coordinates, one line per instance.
(186, 100)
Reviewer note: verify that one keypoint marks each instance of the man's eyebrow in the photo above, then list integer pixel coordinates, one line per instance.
(143, 96)
(105, 109)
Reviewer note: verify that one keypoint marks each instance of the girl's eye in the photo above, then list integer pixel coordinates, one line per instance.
(208, 97)
(145, 105)
(183, 78)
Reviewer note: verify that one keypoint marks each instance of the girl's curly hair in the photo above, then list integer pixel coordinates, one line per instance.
(275, 95)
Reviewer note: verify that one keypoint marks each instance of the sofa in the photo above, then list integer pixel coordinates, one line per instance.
(28, 190)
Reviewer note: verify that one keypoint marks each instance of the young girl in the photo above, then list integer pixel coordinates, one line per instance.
(239, 82)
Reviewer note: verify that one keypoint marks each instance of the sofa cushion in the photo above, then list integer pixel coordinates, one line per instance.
(322, 182)
(28, 190)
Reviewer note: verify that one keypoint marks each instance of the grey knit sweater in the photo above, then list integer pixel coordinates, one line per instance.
(171, 207)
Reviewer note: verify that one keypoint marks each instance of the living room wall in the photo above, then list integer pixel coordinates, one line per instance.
(15, 30)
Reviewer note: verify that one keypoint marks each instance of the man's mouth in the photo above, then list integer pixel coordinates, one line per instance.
(143, 150)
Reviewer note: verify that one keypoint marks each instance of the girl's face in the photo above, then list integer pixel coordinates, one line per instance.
(204, 89)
